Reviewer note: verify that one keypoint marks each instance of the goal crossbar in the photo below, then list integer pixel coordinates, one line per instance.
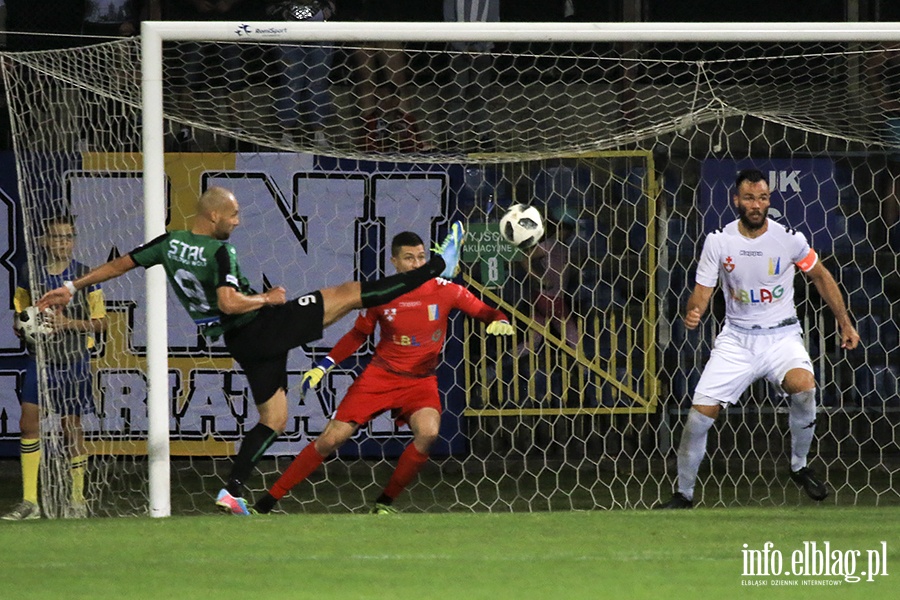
(275, 31)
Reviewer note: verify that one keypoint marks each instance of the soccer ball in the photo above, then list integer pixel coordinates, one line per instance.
(30, 323)
(522, 226)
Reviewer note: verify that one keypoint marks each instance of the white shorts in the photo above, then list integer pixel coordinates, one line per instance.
(738, 359)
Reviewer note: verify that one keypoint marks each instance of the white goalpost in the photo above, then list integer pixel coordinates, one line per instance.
(625, 135)
(154, 225)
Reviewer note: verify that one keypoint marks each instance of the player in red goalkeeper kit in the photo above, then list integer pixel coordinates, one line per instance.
(401, 376)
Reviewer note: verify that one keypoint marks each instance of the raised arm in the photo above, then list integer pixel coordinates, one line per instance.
(63, 294)
(697, 305)
(828, 289)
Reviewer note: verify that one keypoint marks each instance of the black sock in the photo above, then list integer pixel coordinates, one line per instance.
(382, 291)
(383, 499)
(255, 444)
(265, 504)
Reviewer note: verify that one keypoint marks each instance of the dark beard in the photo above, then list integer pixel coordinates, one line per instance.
(748, 225)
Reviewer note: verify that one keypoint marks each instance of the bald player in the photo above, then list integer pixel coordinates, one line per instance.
(258, 328)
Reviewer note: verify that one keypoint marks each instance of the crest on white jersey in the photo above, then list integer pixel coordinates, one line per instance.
(728, 264)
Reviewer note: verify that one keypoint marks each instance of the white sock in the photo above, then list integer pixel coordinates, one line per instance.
(802, 420)
(691, 451)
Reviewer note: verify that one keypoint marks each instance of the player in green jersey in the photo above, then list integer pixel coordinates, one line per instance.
(258, 328)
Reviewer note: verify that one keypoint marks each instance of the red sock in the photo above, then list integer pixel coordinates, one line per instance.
(408, 467)
(304, 464)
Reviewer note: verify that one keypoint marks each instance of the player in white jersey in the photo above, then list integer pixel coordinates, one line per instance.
(755, 259)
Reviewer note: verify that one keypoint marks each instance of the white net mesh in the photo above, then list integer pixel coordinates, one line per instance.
(627, 149)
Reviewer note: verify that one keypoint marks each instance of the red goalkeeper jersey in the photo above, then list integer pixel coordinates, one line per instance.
(413, 327)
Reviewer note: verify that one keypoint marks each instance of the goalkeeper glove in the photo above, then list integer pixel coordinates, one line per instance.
(312, 377)
(500, 328)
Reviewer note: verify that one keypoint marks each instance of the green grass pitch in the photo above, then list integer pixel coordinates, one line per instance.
(623, 554)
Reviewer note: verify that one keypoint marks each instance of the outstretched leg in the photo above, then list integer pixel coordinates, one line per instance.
(425, 424)
(309, 459)
(341, 299)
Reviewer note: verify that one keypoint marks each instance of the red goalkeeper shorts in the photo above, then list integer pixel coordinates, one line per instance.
(376, 391)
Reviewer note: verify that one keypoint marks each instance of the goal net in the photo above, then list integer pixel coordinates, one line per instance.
(628, 143)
